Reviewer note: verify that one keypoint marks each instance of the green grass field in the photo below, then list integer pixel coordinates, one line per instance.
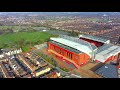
(23, 39)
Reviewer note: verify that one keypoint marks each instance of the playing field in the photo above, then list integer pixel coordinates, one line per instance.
(23, 39)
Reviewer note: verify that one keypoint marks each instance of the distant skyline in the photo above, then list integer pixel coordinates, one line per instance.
(62, 13)
(59, 12)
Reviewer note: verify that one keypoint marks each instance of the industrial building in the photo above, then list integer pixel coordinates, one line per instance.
(80, 50)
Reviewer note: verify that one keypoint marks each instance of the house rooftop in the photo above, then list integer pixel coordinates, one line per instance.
(108, 71)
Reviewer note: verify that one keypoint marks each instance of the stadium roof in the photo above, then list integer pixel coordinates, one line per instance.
(106, 51)
(108, 71)
(95, 38)
(75, 43)
(66, 47)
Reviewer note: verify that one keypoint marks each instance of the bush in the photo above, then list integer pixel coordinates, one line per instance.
(50, 60)
(64, 69)
(25, 48)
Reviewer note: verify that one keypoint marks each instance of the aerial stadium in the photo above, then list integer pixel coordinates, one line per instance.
(83, 49)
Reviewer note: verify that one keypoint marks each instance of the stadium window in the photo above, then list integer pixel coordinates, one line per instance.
(118, 56)
(67, 54)
(71, 56)
(57, 49)
(54, 47)
(60, 51)
(51, 46)
(76, 57)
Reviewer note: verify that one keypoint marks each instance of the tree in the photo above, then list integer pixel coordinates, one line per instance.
(17, 45)
(41, 41)
(4, 45)
(73, 33)
(21, 42)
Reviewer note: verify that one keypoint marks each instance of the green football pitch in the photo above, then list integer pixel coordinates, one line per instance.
(23, 39)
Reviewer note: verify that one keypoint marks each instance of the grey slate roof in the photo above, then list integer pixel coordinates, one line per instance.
(108, 71)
